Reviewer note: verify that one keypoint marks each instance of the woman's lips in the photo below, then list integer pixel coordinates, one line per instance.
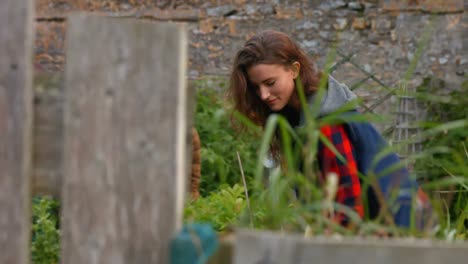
(271, 101)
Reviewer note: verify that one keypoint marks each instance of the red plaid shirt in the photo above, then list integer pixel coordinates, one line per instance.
(349, 187)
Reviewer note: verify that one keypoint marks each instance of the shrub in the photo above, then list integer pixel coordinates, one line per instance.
(45, 245)
(220, 144)
(451, 161)
(220, 209)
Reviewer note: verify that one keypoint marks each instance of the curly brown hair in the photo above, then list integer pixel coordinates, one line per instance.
(267, 47)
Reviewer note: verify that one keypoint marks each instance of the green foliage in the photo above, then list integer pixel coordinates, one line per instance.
(45, 235)
(448, 155)
(442, 109)
(221, 208)
(274, 206)
(220, 143)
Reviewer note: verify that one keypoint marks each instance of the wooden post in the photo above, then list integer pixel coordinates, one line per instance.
(125, 134)
(16, 39)
(266, 247)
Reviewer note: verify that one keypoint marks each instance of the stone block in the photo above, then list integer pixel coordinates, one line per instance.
(359, 23)
(438, 6)
(206, 26)
(288, 13)
(340, 23)
(221, 10)
(232, 26)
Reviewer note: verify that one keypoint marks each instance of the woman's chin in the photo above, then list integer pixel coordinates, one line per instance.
(275, 106)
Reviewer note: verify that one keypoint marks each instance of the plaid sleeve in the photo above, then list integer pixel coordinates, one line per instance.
(349, 187)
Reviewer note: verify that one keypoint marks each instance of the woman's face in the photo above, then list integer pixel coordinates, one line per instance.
(274, 84)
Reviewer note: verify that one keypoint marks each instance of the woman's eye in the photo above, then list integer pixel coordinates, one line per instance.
(270, 83)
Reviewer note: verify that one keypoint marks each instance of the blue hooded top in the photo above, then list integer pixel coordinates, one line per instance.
(392, 177)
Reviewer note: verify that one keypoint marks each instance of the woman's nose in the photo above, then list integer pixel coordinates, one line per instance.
(263, 92)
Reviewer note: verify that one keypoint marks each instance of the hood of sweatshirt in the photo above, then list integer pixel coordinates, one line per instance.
(336, 95)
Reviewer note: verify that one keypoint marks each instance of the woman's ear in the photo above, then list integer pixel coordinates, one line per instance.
(296, 68)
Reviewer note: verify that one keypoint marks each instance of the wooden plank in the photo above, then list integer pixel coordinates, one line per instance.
(265, 247)
(224, 254)
(48, 133)
(16, 39)
(125, 139)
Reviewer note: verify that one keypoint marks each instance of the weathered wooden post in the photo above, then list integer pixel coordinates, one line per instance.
(125, 136)
(16, 40)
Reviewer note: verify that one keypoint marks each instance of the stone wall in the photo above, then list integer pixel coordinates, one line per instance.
(380, 37)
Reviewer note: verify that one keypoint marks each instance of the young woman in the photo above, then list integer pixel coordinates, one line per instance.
(263, 82)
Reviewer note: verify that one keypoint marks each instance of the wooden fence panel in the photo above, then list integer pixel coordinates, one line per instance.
(125, 141)
(16, 39)
(48, 134)
(269, 248)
